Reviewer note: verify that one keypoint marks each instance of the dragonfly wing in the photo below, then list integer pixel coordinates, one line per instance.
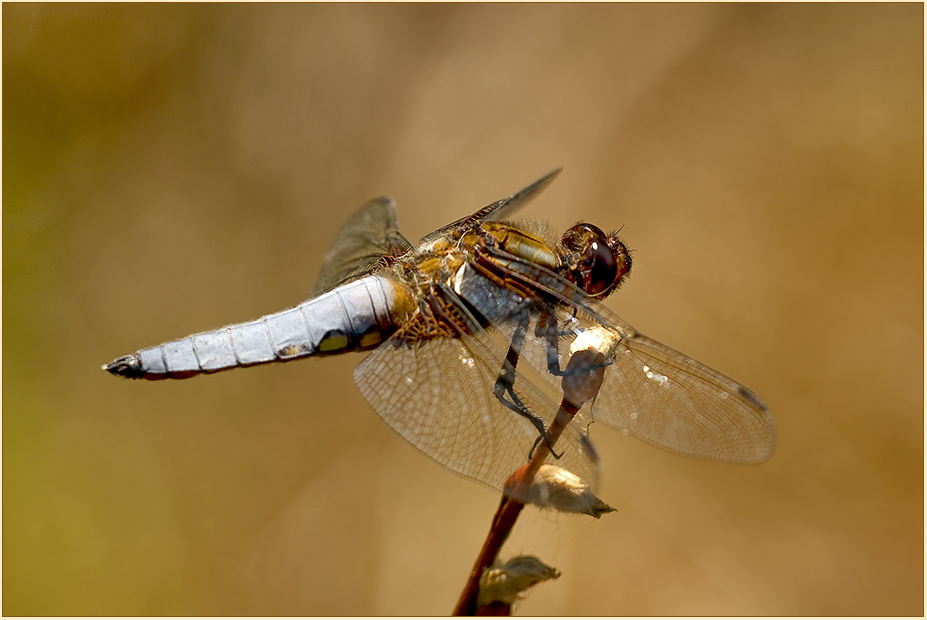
(498, 210)
(371, 233)
(666, 398)
(438, 394)
(660, 395)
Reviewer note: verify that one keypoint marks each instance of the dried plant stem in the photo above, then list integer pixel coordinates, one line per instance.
(584, 369)
(507, 514)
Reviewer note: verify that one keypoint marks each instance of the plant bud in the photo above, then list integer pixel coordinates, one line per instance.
(504, 583)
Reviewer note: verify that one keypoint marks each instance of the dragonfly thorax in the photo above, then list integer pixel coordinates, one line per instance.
(521, 244)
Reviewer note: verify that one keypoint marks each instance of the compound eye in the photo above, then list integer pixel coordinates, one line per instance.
(597, 263)
(600, 268)
(592, 264)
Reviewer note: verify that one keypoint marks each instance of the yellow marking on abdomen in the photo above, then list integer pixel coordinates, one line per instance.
(333, 341)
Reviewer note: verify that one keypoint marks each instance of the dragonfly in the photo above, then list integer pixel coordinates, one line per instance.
(468, 336)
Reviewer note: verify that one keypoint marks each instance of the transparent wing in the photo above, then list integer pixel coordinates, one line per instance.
(371, 233)
(498, 210)
(438, 394)
(660, 395)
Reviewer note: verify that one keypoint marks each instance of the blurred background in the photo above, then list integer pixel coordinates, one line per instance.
(173, 168)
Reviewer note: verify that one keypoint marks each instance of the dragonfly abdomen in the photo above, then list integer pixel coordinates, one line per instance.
(353, 317)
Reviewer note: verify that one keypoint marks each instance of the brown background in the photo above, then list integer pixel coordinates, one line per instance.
(172, 168)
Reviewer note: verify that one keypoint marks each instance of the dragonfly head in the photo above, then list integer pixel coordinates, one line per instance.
(595, 262)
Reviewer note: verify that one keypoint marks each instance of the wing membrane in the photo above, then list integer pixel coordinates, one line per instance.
(662, 396)
(498, 210)
(438, 394)
(371, 233)
(673, 401)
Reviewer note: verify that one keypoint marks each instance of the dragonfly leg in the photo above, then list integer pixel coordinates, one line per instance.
(504, 389)
(447, 309)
